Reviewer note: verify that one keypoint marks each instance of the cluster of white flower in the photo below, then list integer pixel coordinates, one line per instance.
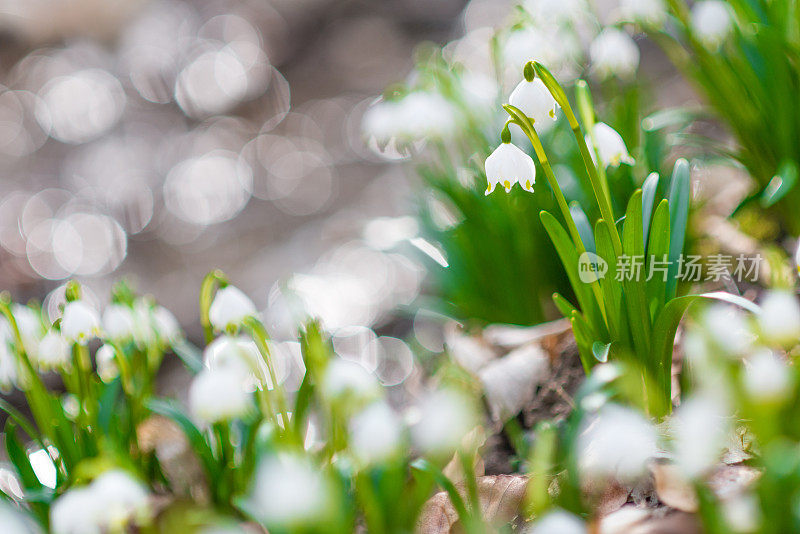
(110, 503)
(416, 116)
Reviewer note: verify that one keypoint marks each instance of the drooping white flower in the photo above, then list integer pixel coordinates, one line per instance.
(53, 352)
(241, 355)
(16, 522)
(166, 325)
(110, 503)
(558, 522)
(610, 146)
(80, 322)
(728, 329)
(118, 322)
(218, 395)
(375, 434)
(651, 12)
(699, 430)
(106, 360)
(616, 443)
(9, 367)
(779, 320)
(767, 377)
(534, 100)
(346, 378)
(445, 418)
(230, 307)
(480, 92)
(416, 116)
(508, 165)
(30, 327)
(712, 21)
(289, 492)
(614, 53)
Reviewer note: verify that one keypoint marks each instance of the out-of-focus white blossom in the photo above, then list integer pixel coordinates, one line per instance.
(30, 327)
(445, 418)
(552, 45)
(346, 378)
(610, 146)
(556, 11)
(558, 522)
(16, 522)
(416, 116)
(712, 21)
(614, 53)
(53, 352)
(728, 329)
(166, 325)
(534, 100)
(241, 355)
(218, 395)
(508, 165)
(229, 308)
(652, 12)
(8, 367)
(699, 428)
(779, 320)
(616, 443)
(797, 257)
(290, 492)
(105, 357)
(767, 377)
(375, 433)
(110, 503)
(80, 322)
(118, 322)
(742, 512)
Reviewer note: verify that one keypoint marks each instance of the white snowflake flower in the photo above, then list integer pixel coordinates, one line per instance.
(230, 307)
(614, 53)
(534, 100)
(218, 395)
(712, 21)
(508, 165)
(610, 146)
(80, 322)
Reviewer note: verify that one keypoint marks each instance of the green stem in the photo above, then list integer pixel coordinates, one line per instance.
(210, 283)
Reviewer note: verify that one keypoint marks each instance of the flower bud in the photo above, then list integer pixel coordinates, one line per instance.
(230, 308)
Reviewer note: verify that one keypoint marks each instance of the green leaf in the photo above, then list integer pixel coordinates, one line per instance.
(584, 339)
(570, 260)
(583, 225)
(649, 191)
(18, 456)
(612, 288)
(601, 350)
(635, 284)
(658, 251)
(666, 325)
(196, 440)
(550, 82)
(679, 203)
(189, 355)
(781, 183)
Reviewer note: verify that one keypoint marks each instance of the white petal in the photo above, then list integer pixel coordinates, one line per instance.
(712, 21)
(610, 146)
(230, 307)
(614, 53)
(534, 100)
(508, 165)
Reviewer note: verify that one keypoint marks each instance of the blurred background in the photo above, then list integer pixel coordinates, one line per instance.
(159, 139)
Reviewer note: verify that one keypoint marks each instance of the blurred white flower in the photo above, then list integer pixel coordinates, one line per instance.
(241, 355)
(346, 378)
(610, 146)
(617, 442)
(779, 319)
(558, 522)
(535, 101)
(375, 433)
(699, 429)
(445, 418)
(480, 92)
(797, 257)
(106, 361)
(166, 325)
(16, 522)
(230, 307)
(414, 117)
(118, 322)
(644, 11)
(767, 377)
(53, 352)
(30, 327)
(728, 329)
(110, 503)
(289, 492)
(557, 11)
(80, 322)
(8, 368)
(218, 395)
(712, 21)
(614, 53)
(508, 165)
(552, 45)
(742, 512)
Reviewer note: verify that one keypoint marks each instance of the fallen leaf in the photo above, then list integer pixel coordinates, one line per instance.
(672, 488)
(501, 498)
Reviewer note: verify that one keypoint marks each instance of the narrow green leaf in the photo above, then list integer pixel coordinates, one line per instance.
(563, 305)
(612, 288)
(189, 355)
(18, 456)
(679, 204)
(584, 340)
(634, 282)
(649, 191)
(583, 225)
(781, 183)
(657, 259)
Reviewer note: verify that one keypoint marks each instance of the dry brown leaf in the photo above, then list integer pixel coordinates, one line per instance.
(501, 497)
(160, 435)
(631, 519)
(672, 488)
(727, 481)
